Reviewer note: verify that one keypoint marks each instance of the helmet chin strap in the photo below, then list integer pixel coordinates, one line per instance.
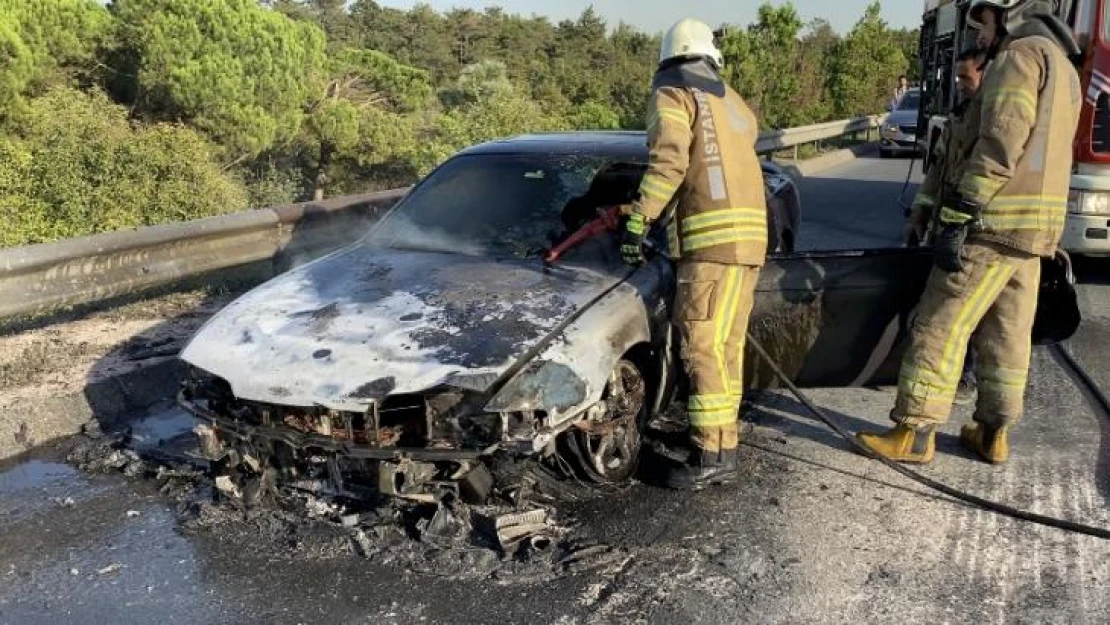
(992, 51)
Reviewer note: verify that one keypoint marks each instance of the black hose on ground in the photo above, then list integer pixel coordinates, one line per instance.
(1000, 508)
(1089, 385)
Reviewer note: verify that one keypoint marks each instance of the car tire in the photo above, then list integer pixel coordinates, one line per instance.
(607, 449)
(884, 153)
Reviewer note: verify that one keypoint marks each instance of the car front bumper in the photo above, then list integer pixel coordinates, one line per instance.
(897, 141)
(1087, 234)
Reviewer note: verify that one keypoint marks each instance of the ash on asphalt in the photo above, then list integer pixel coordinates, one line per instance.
(448, 540)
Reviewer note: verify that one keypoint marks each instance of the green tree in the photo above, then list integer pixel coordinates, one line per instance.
(910, 41)
(78, 166)
(762, 64)
(594, 116)
(490, 107)
(239, 72)
(45, 43)
(362, 106)
(817, 46)
(866, 66)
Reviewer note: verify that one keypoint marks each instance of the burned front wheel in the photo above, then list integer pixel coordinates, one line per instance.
(606, 444)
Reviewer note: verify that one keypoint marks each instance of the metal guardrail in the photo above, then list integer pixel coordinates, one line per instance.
(775, 140)
(36, 279)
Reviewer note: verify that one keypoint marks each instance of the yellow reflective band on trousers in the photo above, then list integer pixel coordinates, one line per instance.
(720, 409)
(939, 384)
(1006, 380)
(710, 411)
(971, 311)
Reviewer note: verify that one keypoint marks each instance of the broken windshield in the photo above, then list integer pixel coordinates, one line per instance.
(498, 204)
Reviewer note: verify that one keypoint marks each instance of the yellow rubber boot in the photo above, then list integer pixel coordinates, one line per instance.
(903, 443)
(990, 444)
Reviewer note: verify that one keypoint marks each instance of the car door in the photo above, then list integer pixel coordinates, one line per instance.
(842, 319)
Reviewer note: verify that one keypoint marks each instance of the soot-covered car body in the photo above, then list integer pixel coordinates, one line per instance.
(441, 339)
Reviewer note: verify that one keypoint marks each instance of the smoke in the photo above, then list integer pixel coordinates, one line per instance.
(401, 231)
(313, 238)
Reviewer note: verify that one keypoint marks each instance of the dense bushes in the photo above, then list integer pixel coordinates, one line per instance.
(145, 111)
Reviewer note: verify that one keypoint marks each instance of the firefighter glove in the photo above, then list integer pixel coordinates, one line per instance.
(955, 223)
(632, 239)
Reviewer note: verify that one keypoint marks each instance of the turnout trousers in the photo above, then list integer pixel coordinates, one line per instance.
(995, 292)
(712, 307)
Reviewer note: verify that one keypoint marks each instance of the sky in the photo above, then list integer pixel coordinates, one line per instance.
(657, 15)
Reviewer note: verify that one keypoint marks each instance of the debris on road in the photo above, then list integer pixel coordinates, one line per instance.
(111, 568)
(512, 529)
(227, 487)
(500, 523)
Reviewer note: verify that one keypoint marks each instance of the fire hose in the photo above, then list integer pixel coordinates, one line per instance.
(608, 220)
(987, 504)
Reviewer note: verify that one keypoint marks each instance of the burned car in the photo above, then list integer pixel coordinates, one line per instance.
(403, 363)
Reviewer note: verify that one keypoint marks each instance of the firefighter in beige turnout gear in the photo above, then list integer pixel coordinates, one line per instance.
(949, 155)
(1007, 212)
(702, 162)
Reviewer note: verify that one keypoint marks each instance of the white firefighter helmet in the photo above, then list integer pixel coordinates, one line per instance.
(689, 38)
(1009, 9)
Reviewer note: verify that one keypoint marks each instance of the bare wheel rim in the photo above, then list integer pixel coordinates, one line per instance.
(609, 447)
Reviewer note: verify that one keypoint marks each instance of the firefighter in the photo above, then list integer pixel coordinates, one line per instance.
(704, 174)
(1006, 213)
(949, 156)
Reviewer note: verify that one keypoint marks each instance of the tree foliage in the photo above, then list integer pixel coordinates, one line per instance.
(237, 71)
(78, 166)
(47, 42)
(365, 91)
(127, 112)
(762, 64)
(866, 66)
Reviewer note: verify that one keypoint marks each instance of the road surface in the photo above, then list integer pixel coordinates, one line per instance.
(813, 533)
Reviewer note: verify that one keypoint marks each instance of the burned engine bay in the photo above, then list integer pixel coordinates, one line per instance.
(524, 531)
(420, 446)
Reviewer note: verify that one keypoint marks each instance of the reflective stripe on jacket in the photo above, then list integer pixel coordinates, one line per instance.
(702, 156)
(1020, 168)
(949, 158)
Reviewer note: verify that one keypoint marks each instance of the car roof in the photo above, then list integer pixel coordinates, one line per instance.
(630, 144)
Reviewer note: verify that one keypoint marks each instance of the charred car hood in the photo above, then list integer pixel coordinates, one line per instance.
(367, 322)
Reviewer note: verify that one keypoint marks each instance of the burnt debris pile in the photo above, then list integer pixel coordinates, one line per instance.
(511, 526)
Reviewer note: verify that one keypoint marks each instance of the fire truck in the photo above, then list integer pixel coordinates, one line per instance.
(945, 33)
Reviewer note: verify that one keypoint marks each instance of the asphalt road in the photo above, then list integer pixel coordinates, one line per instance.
(812, 534)
(856, 205)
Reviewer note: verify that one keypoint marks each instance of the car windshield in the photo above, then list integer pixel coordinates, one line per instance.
(504, 204)
(910, 101)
